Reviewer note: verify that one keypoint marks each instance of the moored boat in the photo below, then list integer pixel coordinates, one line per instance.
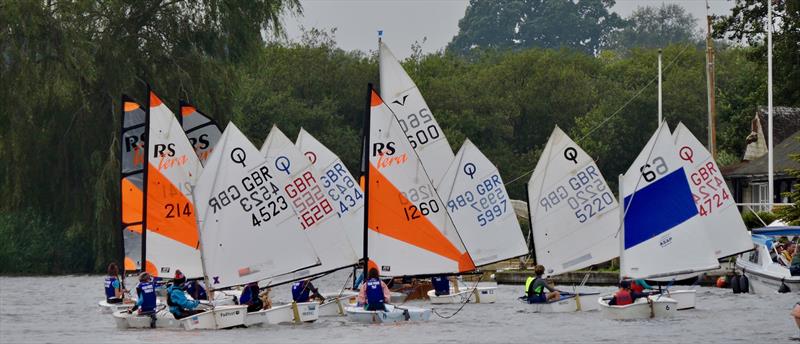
(764, 273)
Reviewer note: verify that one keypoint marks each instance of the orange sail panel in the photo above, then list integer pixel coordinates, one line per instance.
(410, 232)
(131, 182)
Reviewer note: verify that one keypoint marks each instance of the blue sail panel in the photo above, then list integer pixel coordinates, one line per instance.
(658, 207)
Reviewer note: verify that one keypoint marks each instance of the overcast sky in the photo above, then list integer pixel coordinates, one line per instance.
(407, 21)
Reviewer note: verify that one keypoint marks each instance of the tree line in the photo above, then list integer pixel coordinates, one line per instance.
(64, 65)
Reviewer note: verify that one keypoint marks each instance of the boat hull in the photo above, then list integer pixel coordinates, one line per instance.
(221, 317)
(475, 295)
(643, 308)
(164, 319)
(283, 314)
(568, 303)
(108, 308)
(391, 315)
(686, 298)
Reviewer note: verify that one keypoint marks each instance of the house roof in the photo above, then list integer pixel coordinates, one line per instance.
(785, 121)
(782, 160)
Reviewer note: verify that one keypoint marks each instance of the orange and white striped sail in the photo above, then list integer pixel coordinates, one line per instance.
(248, 230)
(172, 170)
(202, 131)
(410, 232)
(305, 193)
(131, 182)
(476, 198)
(339, 184)
(413, 115)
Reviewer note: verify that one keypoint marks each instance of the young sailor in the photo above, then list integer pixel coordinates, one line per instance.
(303, 290)
(196, 290)
(374, 294)
(146, 293)
(114, 290)
(794, 267)
(250, 297)
(639, 285)
(534, 288)
(179, 305)
(441, 285)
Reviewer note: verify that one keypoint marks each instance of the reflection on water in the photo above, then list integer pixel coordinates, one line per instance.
(64, 309)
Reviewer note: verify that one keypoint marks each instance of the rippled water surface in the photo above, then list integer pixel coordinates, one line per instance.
(64, 310)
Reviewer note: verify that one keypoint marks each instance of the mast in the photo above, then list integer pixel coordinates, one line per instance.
(659, 87)
(530, 224)
(145, 168)
(365, 172)
(771, 180)
(711, 86)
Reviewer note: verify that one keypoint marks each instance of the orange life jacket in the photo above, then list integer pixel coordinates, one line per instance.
(623, 297)
(635, 287)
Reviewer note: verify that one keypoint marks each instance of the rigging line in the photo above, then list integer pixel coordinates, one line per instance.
(638, 93)
(463, 303)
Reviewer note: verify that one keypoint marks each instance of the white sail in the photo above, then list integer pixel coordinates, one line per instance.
(724, 225)
(414, 117)
(172, 169)
(663, 233)
(410, 232)
(339, 184)
(480, 208)
(313, 208)
(574, 214)
(247, 228)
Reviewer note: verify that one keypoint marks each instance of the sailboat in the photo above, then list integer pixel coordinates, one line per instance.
(574, 216)
(407, 231)
(131, 191)
(171, 238)
(202, 131)
(662, 231)
(248, 231)
(476, 199)
(725, 230)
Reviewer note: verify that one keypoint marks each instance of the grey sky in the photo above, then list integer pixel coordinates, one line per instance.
(406, 21)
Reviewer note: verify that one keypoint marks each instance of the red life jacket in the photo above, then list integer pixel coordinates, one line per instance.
(636, 288)
(623, 298)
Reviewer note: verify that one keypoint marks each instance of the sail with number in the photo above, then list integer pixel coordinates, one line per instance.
(308, 199)
(202, 131)
(131, 182)
(171, 240)
(724, 225)
(663, 233)
(477, 201)
(574, 214)
(413, 115)
(248, 231)
(339, 184)
(410, 231)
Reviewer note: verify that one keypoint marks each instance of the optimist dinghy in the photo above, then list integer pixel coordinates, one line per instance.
(483, 292)
(574, 217)
(658, 243)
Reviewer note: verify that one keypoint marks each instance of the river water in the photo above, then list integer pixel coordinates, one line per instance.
(64, 310)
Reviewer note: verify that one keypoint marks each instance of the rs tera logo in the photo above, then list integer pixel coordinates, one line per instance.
(164, 150)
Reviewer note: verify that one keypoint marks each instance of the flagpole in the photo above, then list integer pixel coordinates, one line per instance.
(659, 88)
(771, 180)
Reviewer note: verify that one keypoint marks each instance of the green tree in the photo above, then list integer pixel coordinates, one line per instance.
(581, 25)
(654, 27)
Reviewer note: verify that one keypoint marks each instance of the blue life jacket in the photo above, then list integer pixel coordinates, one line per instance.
(374, 292)
(147, 295)
(441, 285)
(110, 290)
(299, 292)
(196, 290)
(249, 294)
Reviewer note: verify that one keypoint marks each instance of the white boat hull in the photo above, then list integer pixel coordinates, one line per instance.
(108, 308)
(221, 317)
(568, 303)
(335, 307)
(283, 314)
(686, 298)
(476, 295)
(662, 307)
(164, 319)
(391, 315)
